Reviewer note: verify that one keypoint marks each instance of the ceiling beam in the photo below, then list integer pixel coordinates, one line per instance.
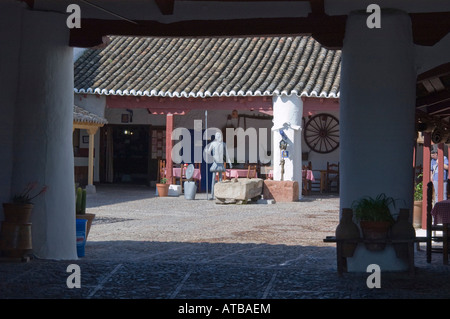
(430, 101)
(91, 31)
(165, 6)
(428, 28)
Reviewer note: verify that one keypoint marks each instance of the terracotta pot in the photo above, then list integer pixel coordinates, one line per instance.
(375, 231)
(15, 239)
(15, 231)
(89, 218)
(163, 190)
(347, 229)
(17, 213)
(402, 230)
(417, 214)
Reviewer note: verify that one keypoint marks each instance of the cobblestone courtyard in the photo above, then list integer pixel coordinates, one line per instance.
(143, 246)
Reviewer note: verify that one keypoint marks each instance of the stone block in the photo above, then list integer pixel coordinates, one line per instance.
(281, 191)
(238, 189)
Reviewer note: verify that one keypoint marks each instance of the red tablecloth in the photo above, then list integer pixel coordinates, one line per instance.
(233, 172)
(309, 175)
(441, 212)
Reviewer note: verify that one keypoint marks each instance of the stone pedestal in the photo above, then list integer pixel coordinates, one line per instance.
(281, 191)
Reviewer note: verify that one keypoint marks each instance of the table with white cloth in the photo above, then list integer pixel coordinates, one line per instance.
(441, 215)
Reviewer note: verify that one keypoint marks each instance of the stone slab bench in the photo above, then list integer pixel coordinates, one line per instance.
(238, 190)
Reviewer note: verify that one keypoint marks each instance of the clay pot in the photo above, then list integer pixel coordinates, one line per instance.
(347, 229)
(375, 231)
(15, 231)
(163, 190)
(17, 213)
(402, 230)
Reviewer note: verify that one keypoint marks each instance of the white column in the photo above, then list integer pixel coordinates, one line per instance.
(90, 187)
(377, 109)
(287, 115)
(9, 63)
(43, 131)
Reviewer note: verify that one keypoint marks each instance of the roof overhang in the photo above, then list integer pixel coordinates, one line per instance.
(323, 19)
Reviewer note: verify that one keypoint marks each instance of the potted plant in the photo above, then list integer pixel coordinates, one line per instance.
(19, 209)
(163, 188)
(418, 198)
(374, 218)
(15, 231)
(80, 209)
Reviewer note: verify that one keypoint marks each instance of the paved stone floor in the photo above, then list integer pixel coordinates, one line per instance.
(145, 247)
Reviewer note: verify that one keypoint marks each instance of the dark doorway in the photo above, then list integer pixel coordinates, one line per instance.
(130, 154)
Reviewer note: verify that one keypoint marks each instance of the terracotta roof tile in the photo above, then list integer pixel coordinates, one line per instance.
(80, 115)
(202, 67)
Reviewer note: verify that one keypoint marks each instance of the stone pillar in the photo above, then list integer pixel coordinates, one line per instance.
(43, 131)
(10, 29)
(377, 110)
(169, 143)
(287, 115)
(90, 187)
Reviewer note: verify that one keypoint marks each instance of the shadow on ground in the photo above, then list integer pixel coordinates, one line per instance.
(179, 270)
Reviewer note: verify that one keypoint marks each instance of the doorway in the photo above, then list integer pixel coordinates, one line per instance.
(130, 149)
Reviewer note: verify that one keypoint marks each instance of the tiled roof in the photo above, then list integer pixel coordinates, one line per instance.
(80, 115)
(205, 67)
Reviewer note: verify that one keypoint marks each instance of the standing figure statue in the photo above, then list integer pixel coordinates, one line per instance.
(217, 147)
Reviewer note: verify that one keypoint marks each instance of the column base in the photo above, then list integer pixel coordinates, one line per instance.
(90, 189)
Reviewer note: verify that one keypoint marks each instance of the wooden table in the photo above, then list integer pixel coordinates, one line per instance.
(177, 173)
(323, 180)
(235, 172)
(309, 174)
(441, 215)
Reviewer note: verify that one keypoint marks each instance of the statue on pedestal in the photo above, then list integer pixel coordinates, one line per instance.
(217, 147)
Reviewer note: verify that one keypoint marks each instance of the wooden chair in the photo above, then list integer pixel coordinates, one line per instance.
(251, 172)
(224, 174)
(267, 170)
(332, 177)
(316, 184)
(182, 177)
(435, 233)
(161, 170)
(306, 183)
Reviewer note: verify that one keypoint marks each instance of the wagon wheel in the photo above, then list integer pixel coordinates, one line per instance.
(322, 133)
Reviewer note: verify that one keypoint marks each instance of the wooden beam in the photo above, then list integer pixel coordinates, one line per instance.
(317, 7)
(433, 98)
(441, 70)
(428, 28)
(92, 30)
(425, 174)
(165, 6)
(440, 172)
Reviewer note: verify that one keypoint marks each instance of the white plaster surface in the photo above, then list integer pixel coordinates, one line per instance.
(377, 111)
